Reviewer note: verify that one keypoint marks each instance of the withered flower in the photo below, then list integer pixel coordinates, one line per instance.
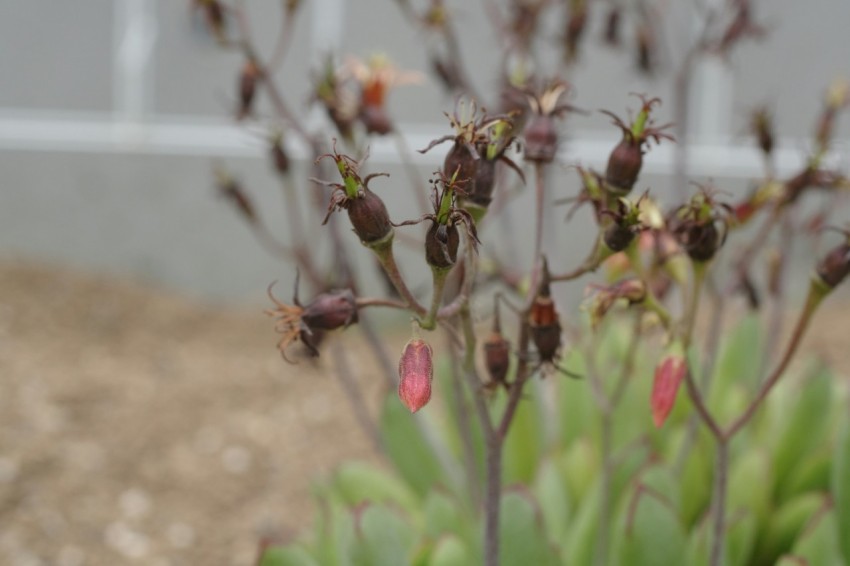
(626, 224)
(695, 225)
(443, 237)
(341, 103)
(541, 135)
(478, 138)
(602, 297)
(327, 311)
(366, 210)
(375, 78)
(626, 159)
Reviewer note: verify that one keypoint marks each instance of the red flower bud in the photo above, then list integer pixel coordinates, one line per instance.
(415, 372)
(668, 376)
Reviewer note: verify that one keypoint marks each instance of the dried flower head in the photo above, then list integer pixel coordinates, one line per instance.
(695, 225)
(443, 237)
(375, 77)
(366, 210)
(626, 159)
(327, 311)
(541, 135)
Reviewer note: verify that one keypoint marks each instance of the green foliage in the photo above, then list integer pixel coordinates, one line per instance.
(788, 498)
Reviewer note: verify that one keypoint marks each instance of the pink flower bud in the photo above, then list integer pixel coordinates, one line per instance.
(668, 376)
(415, 372)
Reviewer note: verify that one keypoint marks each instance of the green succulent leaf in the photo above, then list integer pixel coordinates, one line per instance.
(841, 488)
(818, 543)
(523, 540)
(383, 538)
(809, 418)
(525, 441)
(291, 555)
(785, 526)
(451, 551)
(551, 491)
(408, 448)
(357, 482)
(651, 533)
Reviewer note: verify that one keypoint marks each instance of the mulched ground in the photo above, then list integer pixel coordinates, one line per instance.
(137, 427)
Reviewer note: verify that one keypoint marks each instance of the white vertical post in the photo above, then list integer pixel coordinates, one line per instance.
(135, 30)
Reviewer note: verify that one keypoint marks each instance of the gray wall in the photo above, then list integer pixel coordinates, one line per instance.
(90, 179)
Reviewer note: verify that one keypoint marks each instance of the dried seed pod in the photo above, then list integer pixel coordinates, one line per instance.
(544, 322)
(497, 352)
(327, 311)
(280, 159)
(497, 358)
(366, 210)
(461, 162)
(700, 240)
(576, 24)
(331, 310)
(761, 124)
(248, 78)
(232, 190)
(441, 245)
(376, 120)
(612, 27)
(415, 372)
(835, 266)
(369, 217)
(626, 160)
(541, 139)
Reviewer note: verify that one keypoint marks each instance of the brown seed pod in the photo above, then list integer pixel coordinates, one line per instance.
(331, 310)
(369, 217)
(497, 352)
(835, 266)
(441, 245)
(541, 139)
(248, 78)
(544, 322)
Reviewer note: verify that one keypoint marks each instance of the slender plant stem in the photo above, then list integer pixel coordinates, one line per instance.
(387, 259)
(363, 302)
(440, 275)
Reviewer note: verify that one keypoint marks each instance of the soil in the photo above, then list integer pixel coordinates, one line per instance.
(138, 427)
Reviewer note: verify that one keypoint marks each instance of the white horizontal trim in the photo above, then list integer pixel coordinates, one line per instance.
(164, 135)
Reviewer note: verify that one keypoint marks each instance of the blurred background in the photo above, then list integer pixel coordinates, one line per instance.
(145, 415)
